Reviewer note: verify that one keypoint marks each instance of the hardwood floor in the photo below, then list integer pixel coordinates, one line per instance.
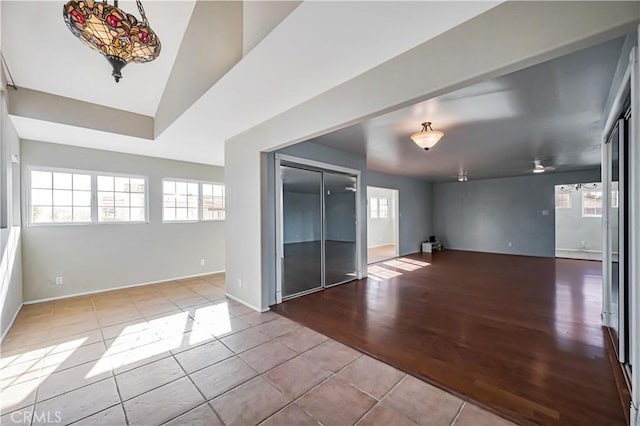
(520, 335)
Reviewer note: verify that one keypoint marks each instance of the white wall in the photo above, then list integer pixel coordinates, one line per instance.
(574, 233)
(381, 231)
(97, 257)
(10, 251)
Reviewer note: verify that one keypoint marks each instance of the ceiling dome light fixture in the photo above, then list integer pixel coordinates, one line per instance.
(539, 168)
(427, 137)
(462, 177)
(117, 35)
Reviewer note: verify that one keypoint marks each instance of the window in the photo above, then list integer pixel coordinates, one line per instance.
(563, 200)
(383, 208)
(121, 199)
(60, 197)
(69, 196)
(212, 201)
(180, 201)
(373, 208)
(592, 204)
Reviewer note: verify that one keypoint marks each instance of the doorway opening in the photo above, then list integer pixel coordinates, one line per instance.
(579, 220)
(382, 224)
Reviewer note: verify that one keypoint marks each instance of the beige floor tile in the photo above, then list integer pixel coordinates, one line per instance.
(16, 373)
(170, 324)
(268, 355)
(219, 378)
(156, 307)
(250, 403)
(55, 383)
(113, 416)
(75, 328)
(73, 317)
(423, 403)
(472, 415)
(199, 416)
(182, 342)
(254, 318)
(385, 415)
(213, 294)
(125, 328)
(202, 356)
(244, 340)
(189, 301)
(131, 340)
(297, 376)
(336, 403)
(293, 415)
(142, 379)
(18, 396)
(136, 357)
(66, 343)
(73, 357)
(331, 355)
(108, 318)
(80, 403)
(226, 328)
(163, 404)
(14, 342)
(19, 417)
(372, 376)
(302, 339)
(278, 327)
(237, 310)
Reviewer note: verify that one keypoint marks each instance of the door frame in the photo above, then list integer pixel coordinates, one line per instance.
(279, 158)
(396, 210)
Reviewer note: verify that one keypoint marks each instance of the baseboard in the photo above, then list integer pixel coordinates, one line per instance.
(381, 245)
(4, 334)
(249, 305)
(87, 293)
(621, 379)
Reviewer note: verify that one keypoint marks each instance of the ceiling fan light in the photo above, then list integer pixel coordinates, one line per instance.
(427, 137)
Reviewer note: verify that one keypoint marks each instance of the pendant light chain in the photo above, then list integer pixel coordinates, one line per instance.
(142, 14)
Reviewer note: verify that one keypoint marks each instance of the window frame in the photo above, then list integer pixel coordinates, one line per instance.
(94, 195)
(582, 207)
(201, 207)
(569, 197)
(386, 208)
(373, 201)
(94, 183)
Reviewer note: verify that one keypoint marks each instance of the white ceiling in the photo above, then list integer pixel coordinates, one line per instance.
(315, 48)
(551, 112)
(44, 55)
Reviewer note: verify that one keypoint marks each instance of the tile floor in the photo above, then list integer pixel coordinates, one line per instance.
(181, 353)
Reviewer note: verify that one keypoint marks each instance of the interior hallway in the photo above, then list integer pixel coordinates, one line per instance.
(181, 353)
(521, 335)
(377, 254)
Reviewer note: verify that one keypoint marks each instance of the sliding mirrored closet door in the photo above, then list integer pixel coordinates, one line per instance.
(301, 230)
(340, 228)
(317, 229)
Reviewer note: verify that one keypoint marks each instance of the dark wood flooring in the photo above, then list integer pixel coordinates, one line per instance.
(520, 335)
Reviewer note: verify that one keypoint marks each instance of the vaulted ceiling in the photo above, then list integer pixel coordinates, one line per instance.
(269, 58)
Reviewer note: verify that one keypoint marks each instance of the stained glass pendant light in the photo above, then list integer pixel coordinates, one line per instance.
(117, 35)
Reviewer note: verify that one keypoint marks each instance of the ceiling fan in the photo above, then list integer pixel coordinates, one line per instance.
(538, 167)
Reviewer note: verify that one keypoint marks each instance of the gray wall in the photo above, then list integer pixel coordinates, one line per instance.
(96, 257)
(415, 207)
(577, 233)
(487, 215)
(302, 217)
(11, 280)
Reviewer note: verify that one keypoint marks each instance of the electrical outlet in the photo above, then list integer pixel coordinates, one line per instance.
(510, 244)
(59, 281)
(201, 262)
